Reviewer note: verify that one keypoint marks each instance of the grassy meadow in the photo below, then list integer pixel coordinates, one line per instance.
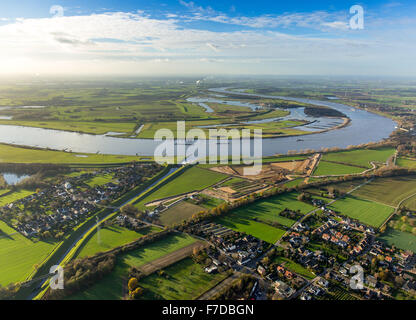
(366, 211)
(111, 237)
(184, 280)
(111, 286)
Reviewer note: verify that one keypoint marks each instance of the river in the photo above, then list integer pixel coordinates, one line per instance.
(364, 127)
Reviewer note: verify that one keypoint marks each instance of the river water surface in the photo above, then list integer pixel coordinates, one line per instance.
(364, 127)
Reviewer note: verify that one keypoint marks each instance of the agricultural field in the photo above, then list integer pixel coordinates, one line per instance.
(294, 267)
(390, 191)
(4, 191)
(179, 212)
(361, 157)
(405, 162)
(14, 196)
(244, 219)
(259, 230)
(402, 240)
(269, 209)
(184, 280)
(19, 255)
(111, 286)
(192, 179)
(111, 237)
(329, 168)
(366, 211)
(410, 203)
(342, 187)
(294, 183)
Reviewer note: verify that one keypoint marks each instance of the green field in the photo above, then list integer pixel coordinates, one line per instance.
(410, 203)
(14, 196)
(329, 168)
(366, 211)
(179, 212)
(408, 163)
(184, 280)
(361, 157)
(294, 183)
(256, 229)
(294, 267)
(111, 237)
(98, 128)
(19, 255)
(269, 209)
(266, 210)
(4, 191)
(402, 240)
(10, 154)
(111, 286)
(192, 179)
(390, 191)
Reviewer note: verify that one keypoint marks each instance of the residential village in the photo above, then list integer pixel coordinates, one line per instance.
(315, 263)
(52, 212)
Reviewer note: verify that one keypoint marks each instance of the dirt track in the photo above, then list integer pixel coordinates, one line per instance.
(171, 258)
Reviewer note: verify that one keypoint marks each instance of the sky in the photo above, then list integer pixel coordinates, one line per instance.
(202, 37)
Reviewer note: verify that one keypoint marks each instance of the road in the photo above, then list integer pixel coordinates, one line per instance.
(38, 288)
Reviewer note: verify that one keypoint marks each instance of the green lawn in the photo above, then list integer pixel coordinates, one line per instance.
(192, 179)
(390, 191)
(14, 196)
(402, 240)
(361, 157)
(184, 280)
(366, 211)
(111, 286)
(100, 180)
(111, 237)
(329, 168)
(18, 255)
(294, 267)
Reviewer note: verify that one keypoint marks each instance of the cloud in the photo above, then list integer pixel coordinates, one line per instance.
(121, 42)
(213, 47)
(338, 25)
(65, 38)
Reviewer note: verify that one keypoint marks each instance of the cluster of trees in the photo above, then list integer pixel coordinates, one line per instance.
(135, 291)
(9, 292)
(82, 273)
(131, 211)
(240, 288)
